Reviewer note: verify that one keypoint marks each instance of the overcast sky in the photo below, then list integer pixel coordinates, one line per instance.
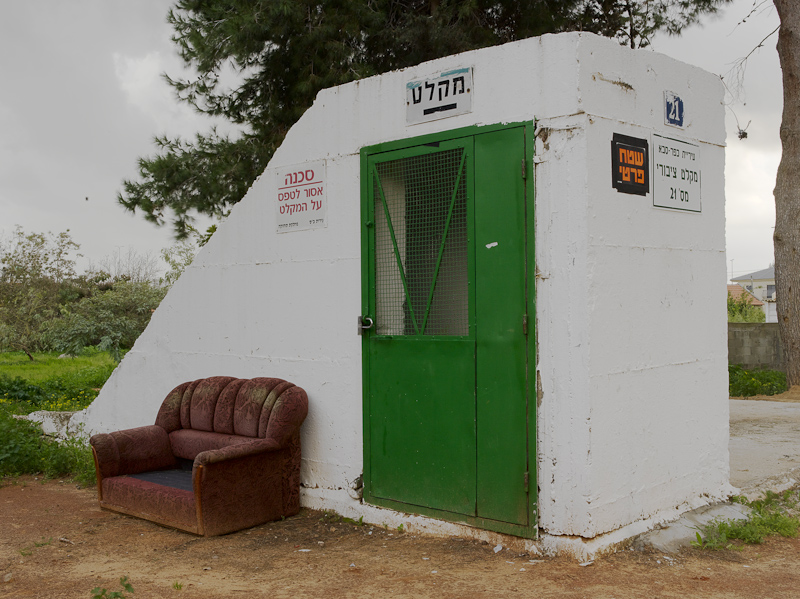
(81, 97)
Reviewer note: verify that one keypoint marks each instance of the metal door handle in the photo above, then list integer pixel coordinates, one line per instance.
(364, 324)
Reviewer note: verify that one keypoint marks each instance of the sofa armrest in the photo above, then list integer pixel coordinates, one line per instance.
(233, 452)
(132, 451)
(240, 486)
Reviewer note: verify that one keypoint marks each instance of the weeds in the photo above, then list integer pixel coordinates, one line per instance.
(774, 514)
(334, 518)
(746, 383)
(27, 551)
(177, 585)
(25, 450)
(52, 384)
(98, 593)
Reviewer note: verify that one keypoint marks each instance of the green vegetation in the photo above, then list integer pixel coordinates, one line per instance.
(51, 383)
(742, 309)
(775, 514)
(98, 593)
(47, 383)
(111, 320)
(746, 383)
(45, 305)
(25, 450)
(334, 518)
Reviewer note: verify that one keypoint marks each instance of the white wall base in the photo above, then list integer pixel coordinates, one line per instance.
(579, 548)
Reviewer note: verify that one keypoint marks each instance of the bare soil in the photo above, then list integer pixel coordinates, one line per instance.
(56, 542)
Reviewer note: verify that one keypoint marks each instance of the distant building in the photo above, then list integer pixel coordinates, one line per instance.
(761, 285)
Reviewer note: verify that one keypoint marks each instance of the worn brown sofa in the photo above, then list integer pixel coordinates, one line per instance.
(223, 455)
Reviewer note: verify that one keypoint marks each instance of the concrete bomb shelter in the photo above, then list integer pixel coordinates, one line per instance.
(499, 276)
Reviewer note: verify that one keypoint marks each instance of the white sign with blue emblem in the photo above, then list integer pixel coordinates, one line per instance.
(448, 94)
(673, 110)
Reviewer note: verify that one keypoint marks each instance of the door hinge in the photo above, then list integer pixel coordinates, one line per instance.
(524, 169)
(525, 481)
(524, 324)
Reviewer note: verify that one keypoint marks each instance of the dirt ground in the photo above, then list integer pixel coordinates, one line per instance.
(55, 542)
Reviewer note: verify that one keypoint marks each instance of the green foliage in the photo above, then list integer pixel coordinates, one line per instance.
(280, 54)
(746, 383)
(635, 23)
(98, 593)
(48, 383)
(774, 514)
(112, 320)
(45, 306)
(18, 390)
(741, 309)
(28, 257)
(37, 273)
(25, 450)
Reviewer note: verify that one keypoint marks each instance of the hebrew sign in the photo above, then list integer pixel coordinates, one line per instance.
(446, 95)
(676, 174)
(630, 166)
(301, 201)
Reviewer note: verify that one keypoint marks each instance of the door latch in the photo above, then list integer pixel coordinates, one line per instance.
(364, 324)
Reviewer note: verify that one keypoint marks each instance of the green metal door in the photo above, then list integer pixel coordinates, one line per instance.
(445, 360)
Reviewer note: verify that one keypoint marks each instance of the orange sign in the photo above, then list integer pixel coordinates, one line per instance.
(630, 165)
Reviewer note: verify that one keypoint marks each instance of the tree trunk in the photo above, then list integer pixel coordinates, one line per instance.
(25, 349)
(787, 191)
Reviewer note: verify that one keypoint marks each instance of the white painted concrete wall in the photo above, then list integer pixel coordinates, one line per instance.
(633, 413)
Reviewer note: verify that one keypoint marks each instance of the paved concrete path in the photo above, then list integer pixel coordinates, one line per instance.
(764, 456)
(764, 445)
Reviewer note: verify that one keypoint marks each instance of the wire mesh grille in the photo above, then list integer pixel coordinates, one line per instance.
(425, 235)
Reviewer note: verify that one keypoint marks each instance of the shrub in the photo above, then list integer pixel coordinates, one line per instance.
(25, 450)
(746, 383)
(742, 309)
(19, 390)
(112, 319)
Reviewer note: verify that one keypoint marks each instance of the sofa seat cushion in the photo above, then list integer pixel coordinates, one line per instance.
(177, 478)
(187, 443)
(150, 500)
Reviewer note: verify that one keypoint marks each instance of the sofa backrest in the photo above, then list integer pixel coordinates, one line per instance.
(259, 407)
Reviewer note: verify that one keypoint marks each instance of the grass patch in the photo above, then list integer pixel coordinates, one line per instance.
(746, 383)
(52, 383)
(774, 514)
(48, 366)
